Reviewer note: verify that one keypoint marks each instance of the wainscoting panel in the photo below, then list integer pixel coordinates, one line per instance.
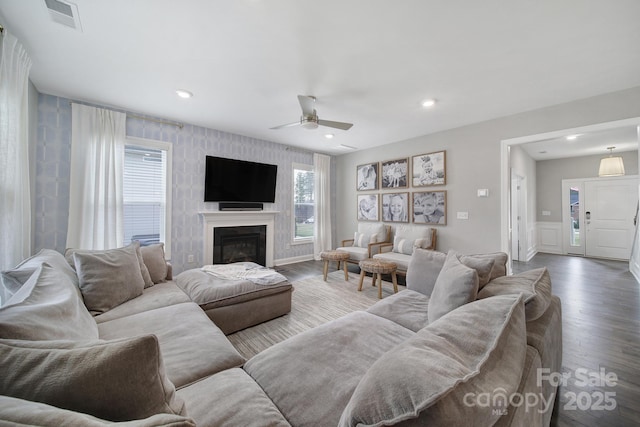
(550, 237)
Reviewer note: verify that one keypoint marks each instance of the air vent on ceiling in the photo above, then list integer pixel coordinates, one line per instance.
(65, 13)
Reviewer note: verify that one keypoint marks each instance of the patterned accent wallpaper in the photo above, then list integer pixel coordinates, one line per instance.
(190, 146)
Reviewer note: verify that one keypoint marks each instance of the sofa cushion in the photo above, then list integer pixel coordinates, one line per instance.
(154, 259)
(362, 240)
(47, 307)
(423, 270)
(214, 401)
(455, 286)
(192, 346)
(108, 278)
(355, 253)
(16, 277)
(19, 412)
(406, 308)
(438, 376)
(117, 380)
(160, 295)
(311, 376)
(407, 238)
(534, 284)
(400, 260)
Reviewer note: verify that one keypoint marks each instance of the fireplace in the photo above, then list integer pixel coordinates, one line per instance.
(237, 244)
(217, 219)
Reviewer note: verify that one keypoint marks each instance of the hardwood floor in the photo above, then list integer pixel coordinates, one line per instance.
(601, 334)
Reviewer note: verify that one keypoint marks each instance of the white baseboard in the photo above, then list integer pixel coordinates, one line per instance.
(293, 260)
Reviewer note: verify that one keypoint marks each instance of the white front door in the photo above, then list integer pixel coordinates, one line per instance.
(609, 210)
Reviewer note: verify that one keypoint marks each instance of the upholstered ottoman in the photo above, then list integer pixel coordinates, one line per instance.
(235, 304)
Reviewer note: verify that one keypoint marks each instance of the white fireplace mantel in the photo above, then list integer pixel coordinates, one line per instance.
(213, 219)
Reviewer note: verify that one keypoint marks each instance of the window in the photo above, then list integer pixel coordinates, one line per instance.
(147, 193)
(304, 203)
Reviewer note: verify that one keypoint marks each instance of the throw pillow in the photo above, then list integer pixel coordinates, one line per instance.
(362, 240)
(406, 246)
(423, 270)
(455, 286)
(482, 265)
(475, 351)
(407, 238)
(16, 277)
(534, 284)
(153, 256)
(68, 255)
(108, 278)
(115, 380)
(47, 307)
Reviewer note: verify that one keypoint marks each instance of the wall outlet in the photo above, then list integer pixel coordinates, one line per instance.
(190, 258)
(463, 215)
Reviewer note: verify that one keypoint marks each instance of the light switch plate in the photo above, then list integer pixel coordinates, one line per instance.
(483, 192)
(463, 215)
(546, 213)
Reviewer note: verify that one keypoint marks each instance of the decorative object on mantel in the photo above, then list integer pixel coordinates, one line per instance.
(429, 169)
(430, 207)
(611, 166)
(367, 177)
(368, 207)
(394, 173)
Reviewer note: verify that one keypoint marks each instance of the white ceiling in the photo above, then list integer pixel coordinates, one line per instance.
(369, 62)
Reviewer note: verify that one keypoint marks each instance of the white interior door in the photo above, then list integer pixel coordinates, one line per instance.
(609, 210)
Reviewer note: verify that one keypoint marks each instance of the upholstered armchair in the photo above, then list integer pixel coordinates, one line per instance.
(366, 241)
(405, 239)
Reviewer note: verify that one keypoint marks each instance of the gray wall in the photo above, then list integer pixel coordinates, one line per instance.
(551, 173)
(473, 162)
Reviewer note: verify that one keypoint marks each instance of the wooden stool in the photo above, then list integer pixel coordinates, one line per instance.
(338, 256)
(379, 267)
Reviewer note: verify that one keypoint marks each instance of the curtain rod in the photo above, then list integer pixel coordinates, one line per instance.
(149, 119)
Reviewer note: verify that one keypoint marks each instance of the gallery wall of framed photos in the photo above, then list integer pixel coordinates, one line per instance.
(406, 190)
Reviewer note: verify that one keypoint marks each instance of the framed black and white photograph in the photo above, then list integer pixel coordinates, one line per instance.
(429, 169)
(394, 173)
(368, 207)
(395, 207)
(430, 207)
(367, 177)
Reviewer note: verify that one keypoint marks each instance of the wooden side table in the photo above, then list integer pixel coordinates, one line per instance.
(338, 256)
(379, 267)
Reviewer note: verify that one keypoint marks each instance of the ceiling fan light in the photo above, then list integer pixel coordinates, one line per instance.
(611, 166)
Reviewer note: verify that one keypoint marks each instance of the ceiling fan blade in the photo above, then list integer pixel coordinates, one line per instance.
(287, 125)
(307, 103)
(337, 125)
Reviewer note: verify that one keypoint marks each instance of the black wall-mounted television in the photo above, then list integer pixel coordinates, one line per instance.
(231, 180)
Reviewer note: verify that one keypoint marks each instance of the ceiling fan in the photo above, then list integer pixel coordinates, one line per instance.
(309, 118)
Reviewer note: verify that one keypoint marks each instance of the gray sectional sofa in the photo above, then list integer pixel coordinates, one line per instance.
(429, 355)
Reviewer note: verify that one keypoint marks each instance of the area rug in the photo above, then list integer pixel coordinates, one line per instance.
(313, 303)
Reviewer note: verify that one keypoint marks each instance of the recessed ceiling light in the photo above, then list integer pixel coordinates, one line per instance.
(329, 135)
(572, 137)
(427, 103)
(346, 147)
(184, 93)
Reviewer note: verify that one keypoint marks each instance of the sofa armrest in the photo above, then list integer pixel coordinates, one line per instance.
(386, 247)
(374, 248)
(348, 242)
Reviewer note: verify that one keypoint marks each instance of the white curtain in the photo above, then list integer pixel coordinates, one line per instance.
(322, 215)
(15, 203)
(97, 163)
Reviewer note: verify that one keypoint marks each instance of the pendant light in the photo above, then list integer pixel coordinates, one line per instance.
(611, 166)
